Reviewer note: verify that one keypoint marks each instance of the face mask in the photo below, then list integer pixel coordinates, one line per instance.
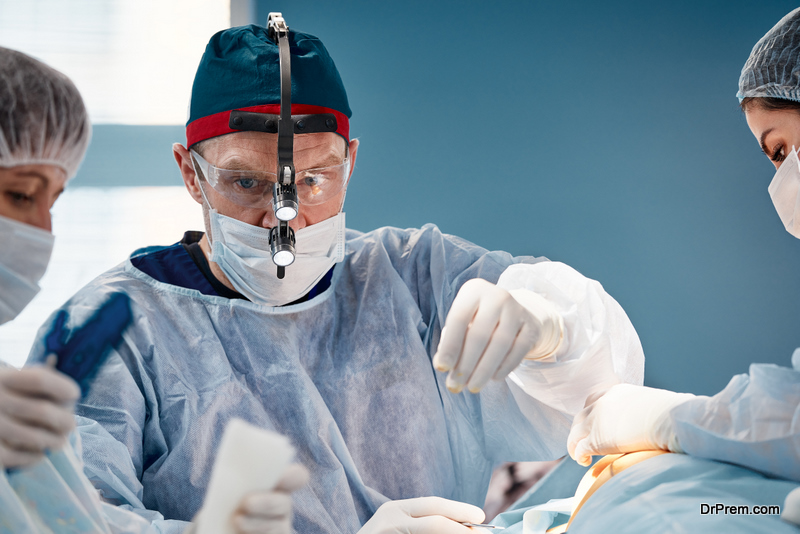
(242, 252)
(785, 193)
(25, 254)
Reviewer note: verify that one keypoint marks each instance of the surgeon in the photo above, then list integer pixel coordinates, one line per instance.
(404, 365)
(755, 421)
(44, 133)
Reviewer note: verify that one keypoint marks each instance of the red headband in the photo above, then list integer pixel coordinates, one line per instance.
(217, 124)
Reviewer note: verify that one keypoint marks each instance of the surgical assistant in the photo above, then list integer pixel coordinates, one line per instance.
(755, 421)
(348, 354)
(44, 135)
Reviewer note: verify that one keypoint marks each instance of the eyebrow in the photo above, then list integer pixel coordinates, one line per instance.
(235, 164)
(762, 140)
(33, 174)
(330, 160)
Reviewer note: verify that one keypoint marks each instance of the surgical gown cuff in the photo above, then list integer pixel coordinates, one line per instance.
(552, 324)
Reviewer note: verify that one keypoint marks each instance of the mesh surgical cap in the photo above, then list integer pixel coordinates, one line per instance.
(773, 68)
(42, 116)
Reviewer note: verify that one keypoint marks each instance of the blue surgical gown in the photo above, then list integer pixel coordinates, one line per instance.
(347, 376)
(753, 422)
(752, 431)
(53, 496)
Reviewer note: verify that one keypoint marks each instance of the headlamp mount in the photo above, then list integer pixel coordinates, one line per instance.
(284, 192)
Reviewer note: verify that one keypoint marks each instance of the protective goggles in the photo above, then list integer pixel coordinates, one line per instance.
(253, 189)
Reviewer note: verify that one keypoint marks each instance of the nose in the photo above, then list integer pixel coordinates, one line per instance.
(40, 217)
(269, 220)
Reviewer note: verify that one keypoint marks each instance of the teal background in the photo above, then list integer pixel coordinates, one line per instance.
(604, 136)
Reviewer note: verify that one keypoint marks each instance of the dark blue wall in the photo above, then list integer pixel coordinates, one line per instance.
(605, 135)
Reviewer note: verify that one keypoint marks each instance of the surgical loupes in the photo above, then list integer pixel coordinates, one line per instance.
(284, 192)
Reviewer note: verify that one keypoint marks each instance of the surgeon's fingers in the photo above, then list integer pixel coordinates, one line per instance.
(271, 511)
(293, 478)
(479, 334)
(12, 458)
(582, 444)
(41, 382)
(264, 512)
(524, 342)
(257, 525)
(266, 505)
(34, 411)
(453, 510)
(27, 438)
(581, 454)
(577, 434)
(458, 320)
(500, 352)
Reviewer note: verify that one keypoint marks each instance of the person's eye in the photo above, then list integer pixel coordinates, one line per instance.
(313, 180)
(20, 199)
(247, 182)
(777, 154)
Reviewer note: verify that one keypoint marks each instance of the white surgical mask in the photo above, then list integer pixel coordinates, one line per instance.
(25, 254)
(243, 253)
(785, 193)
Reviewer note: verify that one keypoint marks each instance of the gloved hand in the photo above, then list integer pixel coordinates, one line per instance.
(626, 418)
(270, 512)
(36, 413)
(424, 515)
(489, 331)
(266, 512)
(791, 507)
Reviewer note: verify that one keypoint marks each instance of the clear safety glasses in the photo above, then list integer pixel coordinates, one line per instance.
(253, 189)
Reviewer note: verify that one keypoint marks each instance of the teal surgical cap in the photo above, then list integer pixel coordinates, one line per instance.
(773, 68)
(240, 70)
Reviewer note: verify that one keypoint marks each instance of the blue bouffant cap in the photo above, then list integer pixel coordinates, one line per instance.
(240, 70)
(773, 68)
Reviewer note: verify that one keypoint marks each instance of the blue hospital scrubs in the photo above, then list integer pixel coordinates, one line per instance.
(346, 375)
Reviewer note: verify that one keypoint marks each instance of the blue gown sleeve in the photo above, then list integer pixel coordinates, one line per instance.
(118, 425)
(600, 349)
(754, 422)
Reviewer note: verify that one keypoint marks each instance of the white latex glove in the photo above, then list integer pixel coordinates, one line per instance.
(791, 507)
(489, 331)
(267, 512)
(626, 418)
(36, 413)
(424, 515)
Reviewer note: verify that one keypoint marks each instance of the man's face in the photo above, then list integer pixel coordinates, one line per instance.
(257, 151)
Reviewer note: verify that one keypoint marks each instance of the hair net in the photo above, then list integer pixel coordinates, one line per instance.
(42, 116)
(773, 68)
